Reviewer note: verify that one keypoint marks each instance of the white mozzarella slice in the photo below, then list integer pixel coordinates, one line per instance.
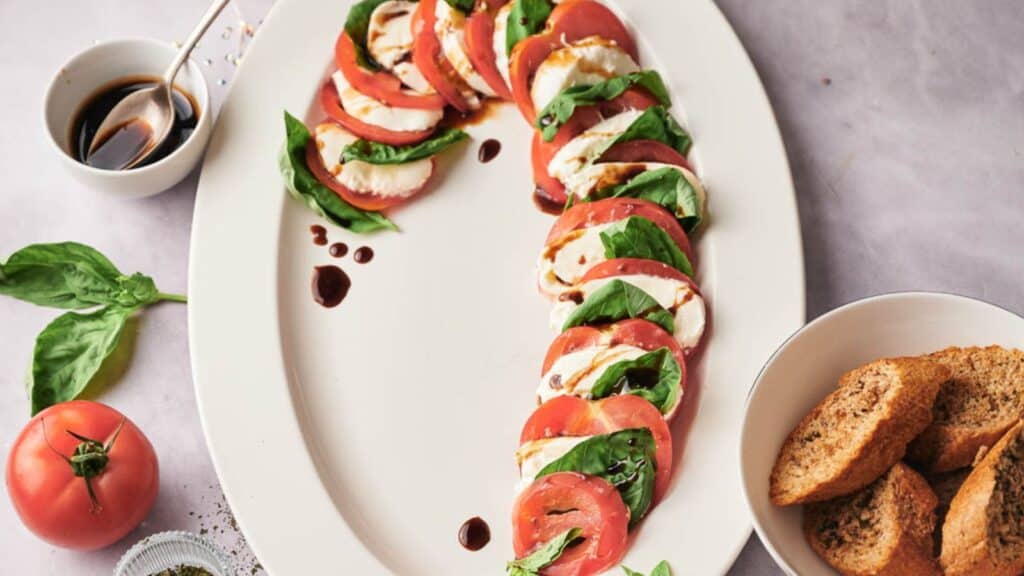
(677, 297)
(566, 260)
(500, 33)
(533, 456)
(389, 40)
(450, 27)
(372, 111)
(579, 151)
(584, 62)
(575, 374)
(391, 180)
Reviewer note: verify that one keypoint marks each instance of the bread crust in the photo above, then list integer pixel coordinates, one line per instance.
(909, 412)
(965, 533)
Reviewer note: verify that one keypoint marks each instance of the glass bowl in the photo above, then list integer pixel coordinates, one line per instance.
(168, 550)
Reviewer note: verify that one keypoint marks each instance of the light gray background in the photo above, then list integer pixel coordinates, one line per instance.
(904, 122)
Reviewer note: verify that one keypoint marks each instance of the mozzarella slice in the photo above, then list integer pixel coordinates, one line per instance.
(679, 298)
(389, 40)
(372, 111)
(450, 28)
(500, 34)
(580, 151)
(584, 62)
(575, 374)
(390, 180)
(567, 259)
(533, 456)
(595, 177)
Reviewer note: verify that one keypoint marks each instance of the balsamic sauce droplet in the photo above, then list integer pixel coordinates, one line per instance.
(474, 534)
(338, 249)
(488, 150)
(330, 285)
(319, 234)
(363, 254)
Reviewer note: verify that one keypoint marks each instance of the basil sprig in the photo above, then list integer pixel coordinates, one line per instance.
(666, 187)
(655, 377)
(638, 237)
(545, 555)
(304, 186)
(70, 350)
(655, 123)
(527, 17)
(559, 110)
(625, 459)
(616, 301)
(464, 6)
(661, 569)
(377, 153)
(356, 25)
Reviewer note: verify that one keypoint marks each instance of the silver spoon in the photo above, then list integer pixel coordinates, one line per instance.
(143, 119)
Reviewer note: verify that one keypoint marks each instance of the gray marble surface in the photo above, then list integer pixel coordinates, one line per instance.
(903, 119)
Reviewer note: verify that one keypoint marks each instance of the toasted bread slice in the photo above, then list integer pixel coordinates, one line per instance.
(884, 529)
(858, 431)
(945, 486)
(984, 529)
(975, 407)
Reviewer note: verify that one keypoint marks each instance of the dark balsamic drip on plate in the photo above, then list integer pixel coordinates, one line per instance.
(474, 534)
(363, 254)
(488, 150)
(319, 234)
(338, 249)
(330, 285)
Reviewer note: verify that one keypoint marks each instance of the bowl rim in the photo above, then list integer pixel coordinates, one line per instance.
(204, 112)
(155, 539)
(856, 303)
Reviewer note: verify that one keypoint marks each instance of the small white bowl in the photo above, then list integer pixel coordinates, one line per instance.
(168, 550)
(99, 66)
(808, 365)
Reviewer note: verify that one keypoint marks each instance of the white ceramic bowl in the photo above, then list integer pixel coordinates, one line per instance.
(96, 68)
(807, 366)
(168, 550)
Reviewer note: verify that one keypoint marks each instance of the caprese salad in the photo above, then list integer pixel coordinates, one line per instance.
(596, 455)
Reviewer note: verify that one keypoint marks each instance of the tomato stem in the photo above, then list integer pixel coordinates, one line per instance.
(89, 459)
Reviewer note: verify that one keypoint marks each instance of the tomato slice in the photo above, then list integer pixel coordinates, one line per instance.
(331, 105)
(582, 119)
(614, 209)
(362, 200)
(480, 46)
(645, 151)
(633, 332)
(380, 85)
(566, 500)
(574, 416)
(569, 21)
(428, 57)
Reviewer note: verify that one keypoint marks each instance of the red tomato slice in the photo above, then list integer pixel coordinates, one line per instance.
(566, 500)
(573, 416)
(633, 332)
(569, 21)
(645, 151)
(331, 105)
(614, 209)
(380, 85)
(428, 57)
(480, 46)
(372, 202)
(582, 119)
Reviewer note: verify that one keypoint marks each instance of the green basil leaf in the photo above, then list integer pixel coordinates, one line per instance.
(654, 124)
(545, 555)
(655, 377)
(666, 187)
(625, 459)
(70, 351)
(616, 301)
(304, 186)
(464, 6)
(638, 237)
(559, 110)
(526, 18)
(377, 153)
(356, 25)
(661, 569)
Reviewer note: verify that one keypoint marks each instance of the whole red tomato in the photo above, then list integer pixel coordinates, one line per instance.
(81, 475)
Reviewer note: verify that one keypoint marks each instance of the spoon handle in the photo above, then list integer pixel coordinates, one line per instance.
(193, 39)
